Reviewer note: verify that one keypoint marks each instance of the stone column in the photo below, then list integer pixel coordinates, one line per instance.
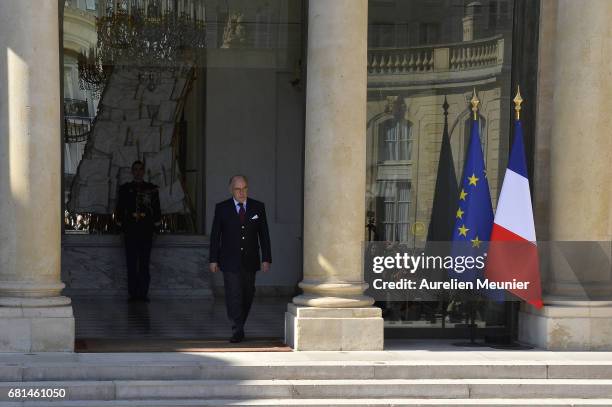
(34, 316)
(333, 313)
(578, 307)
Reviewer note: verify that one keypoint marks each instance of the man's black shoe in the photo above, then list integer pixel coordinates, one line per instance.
(237, 336)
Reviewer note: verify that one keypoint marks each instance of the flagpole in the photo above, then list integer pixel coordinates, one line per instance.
(518, 100)
(512, 307)
(471, 311)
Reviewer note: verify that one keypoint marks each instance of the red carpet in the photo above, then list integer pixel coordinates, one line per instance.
(178, 345)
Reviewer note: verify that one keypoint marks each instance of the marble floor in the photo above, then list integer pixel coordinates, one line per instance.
(113, 318)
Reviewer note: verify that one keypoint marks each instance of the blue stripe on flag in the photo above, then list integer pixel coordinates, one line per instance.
(517, 162)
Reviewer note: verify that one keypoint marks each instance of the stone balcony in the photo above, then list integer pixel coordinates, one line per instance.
(454, 64)
(79, 33)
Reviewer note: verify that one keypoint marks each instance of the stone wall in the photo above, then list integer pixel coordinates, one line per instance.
(94, 265)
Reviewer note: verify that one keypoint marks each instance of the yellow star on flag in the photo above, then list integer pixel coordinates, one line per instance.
(473, 179)
(459, 213)
(463, 231)
(462, 195)
(476, 242)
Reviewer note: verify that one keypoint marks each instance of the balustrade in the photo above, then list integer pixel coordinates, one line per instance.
(456, 57)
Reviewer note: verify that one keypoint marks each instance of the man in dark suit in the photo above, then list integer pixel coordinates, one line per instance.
(239, 230)
(138, 214)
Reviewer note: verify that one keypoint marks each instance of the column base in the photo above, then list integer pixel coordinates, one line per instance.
(333, 295)
(568, 325)
(310, 328)
(36, 329)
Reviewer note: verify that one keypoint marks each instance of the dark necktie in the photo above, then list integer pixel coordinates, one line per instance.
(241, 212)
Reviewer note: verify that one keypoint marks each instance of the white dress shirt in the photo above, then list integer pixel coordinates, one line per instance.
(238, 207)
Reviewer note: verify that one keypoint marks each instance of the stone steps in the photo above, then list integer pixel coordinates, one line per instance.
(302, 379)
(317, 402)
(324, 389)
(177, 370)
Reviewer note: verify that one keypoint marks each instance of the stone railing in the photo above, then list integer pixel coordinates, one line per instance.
(76, 107)
(77, 128)
(478, 54)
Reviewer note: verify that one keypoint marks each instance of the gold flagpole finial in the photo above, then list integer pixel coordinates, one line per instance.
(517, 102)
(475, 102)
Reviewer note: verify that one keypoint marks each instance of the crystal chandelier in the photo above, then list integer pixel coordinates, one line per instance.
(151, 35)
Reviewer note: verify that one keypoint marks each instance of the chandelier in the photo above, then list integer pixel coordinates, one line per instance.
(151, 35)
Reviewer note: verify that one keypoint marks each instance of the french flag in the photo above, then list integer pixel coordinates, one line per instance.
(513, 254)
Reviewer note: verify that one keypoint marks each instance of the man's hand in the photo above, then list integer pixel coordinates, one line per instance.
(213, 267)
(265, 266)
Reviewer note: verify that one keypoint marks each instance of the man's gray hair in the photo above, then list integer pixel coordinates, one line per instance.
(233, 177)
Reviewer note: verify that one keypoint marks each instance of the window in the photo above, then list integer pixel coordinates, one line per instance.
(171, 100)
(264, 29)
(90, 5)
(427, 72)
(396, 135)
(429, 33)
(396, 210)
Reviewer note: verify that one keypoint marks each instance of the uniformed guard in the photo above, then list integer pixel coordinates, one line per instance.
(138, 214)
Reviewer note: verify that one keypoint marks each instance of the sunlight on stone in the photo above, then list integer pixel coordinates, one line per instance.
(326, 265)
(19, 130)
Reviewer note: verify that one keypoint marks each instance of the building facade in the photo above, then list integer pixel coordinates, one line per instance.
(335, 109)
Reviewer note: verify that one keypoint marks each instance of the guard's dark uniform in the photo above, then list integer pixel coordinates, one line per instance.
(138, 211)
(235, 245)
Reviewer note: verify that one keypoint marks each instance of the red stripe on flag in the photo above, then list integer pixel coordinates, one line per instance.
(500, 233)
(512, 257)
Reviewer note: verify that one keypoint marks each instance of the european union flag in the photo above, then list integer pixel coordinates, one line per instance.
(474, 217)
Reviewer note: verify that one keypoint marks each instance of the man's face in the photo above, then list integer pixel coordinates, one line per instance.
(138, 172)
(239, 189)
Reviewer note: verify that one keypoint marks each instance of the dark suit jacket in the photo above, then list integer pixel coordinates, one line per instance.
(232, 244)
(141, 198)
